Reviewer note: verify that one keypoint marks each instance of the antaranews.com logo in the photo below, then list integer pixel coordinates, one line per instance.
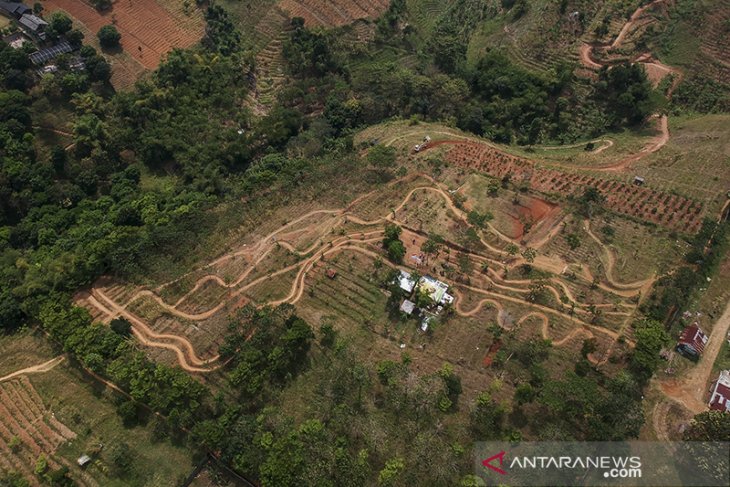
(597, 464)
(612, 467)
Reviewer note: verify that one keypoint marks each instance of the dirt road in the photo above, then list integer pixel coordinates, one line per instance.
(632, 20)
(586, 57)
(44, 367)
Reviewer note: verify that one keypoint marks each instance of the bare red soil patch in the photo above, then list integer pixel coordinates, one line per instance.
(664, 209)
(148, 30)
(530, 214)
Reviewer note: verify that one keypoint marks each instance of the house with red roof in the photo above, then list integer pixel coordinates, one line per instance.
(692, 341)
(720, 392)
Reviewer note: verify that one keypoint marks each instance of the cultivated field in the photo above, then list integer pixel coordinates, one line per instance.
(150, 29)
(48, 407)
(266, 25)
(333, 13)
(666, 209)
(705, 176)
(28, 430)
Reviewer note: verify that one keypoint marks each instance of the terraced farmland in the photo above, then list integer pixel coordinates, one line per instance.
(149, 31)
(672, 211)
(333, 13)
(25, 422)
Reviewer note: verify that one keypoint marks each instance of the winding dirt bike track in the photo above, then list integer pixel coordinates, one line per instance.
(182, 348)
(606, 143)
(35, 369)
(363, 243)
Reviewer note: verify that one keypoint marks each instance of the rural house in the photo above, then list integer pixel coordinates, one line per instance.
(33, 25)
(44, 55)
(407, 307)
(406, 282)
(436, 290)
(14, 10)
(720, 392)
(16, 40)
(427, 321)
(692, 341)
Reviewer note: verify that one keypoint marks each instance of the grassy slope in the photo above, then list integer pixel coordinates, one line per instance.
(696, 160)
(87, 408)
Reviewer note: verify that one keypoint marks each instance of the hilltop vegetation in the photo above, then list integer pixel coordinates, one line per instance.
(492, 96)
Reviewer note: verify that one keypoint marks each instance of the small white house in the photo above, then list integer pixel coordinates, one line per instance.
(720, 393)
(407, 307)
(406, 282)
(426, 322)
(434, 288)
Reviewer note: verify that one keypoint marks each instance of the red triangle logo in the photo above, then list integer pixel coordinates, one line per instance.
(488, 463)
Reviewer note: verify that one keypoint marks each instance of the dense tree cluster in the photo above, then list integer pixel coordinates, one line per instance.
(515, 103)
(450, 39)
(109, 37)
(169, 391)
(221, 34)
(392, 243)
(625, 92)
(308, 51)
(266, 347)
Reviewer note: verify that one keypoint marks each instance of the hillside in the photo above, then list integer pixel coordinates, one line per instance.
(323, 242)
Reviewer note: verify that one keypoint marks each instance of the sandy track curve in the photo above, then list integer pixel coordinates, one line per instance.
(611, 263)
(605, 144)
(35, 369)
(543, 309)
(586, 56)
(180, 346)
(544, 328)
(632, 20)
(651, 147)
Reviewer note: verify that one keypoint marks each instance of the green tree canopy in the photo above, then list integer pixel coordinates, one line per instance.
(109, 37)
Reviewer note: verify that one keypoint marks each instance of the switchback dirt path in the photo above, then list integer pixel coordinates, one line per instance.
(632, 20)
(180, 346)
(610, 264)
